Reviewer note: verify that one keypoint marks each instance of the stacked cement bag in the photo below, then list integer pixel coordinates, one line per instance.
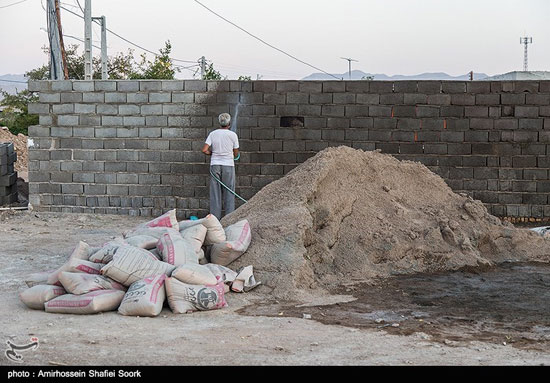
(8, 176)
(158, 261)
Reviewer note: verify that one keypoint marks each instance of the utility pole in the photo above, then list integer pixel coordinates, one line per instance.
(349, 64)
(471, 75)
(63, 55)
(103, 22)
(56, 59)
(202, 62)
(525, 41)
(88, 40)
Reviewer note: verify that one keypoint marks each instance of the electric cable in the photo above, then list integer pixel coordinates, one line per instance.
(12, 4)
(263, 41)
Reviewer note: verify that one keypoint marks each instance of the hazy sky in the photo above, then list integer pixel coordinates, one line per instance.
(385, 36)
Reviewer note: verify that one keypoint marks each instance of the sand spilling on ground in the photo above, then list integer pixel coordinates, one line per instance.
(347, 215)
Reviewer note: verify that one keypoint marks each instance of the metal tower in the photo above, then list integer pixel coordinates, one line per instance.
(525, 41)
(349, 64)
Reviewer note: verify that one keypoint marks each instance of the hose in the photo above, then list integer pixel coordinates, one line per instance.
(227, 187)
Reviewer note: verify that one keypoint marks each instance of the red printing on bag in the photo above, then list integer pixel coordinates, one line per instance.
(244, 234)
(156, 288)
(163, 221)
(168, 245)
(87, 269)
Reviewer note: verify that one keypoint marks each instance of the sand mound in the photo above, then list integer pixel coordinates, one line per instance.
(348, 215)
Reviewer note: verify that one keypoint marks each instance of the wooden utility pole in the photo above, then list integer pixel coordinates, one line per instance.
(63, 54)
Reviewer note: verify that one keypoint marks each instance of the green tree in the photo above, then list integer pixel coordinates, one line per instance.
(15, 113)
(161, 68)
(212, 74)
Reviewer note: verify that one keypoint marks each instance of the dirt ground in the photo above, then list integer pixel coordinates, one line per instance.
(255, 330)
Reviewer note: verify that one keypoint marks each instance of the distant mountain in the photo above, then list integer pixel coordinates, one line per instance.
(7, 84)
(510, 76)
(360, 75)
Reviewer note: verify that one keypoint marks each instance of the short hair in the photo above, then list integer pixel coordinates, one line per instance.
(224, 119)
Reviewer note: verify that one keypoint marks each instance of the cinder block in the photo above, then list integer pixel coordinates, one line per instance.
(404, 111)
(65, 131)
(128, 110)
(111, 120)
(160, 97)
(115, 97)
(37, 108)
(84, 108)
(478, 87)
(39, 85)
(355, 110)
(49, 97)
(137, 98)
(108, 85)
(297, 98)
(90, 120)
(380, 111)
(120, 190)
(107, 109)
(71, 97)
(320, 98)
(476, 111)
(392, 98)
(385, 123)
(97, 97)
(453, 87)
(368, 98)
(481, 123)
(105, 132)
(512, 98)
(487, 99)
(172, 85)
(439, 99)
(195, 85)
(310, 86)
(531, 123)
(426, 111)
(526, 111)
(133, 120)
(409, 124)
(334, 86)
(380, 87)
(83, 86)
(463, 99)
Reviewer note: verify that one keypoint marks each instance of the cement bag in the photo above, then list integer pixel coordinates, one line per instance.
(142, 241)
(184, 298)
(90, 303)
(215, 232)
(105, 254)
(195, 236)
(144, 298)
(36, 296)
(194, 274)
(79, 283)
(38, 278)
(174, 250)
(238, 240)
(222, 273)
(131, 264)
(75, 266)
(166, 220)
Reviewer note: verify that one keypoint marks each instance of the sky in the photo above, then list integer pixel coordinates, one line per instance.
(385, 36)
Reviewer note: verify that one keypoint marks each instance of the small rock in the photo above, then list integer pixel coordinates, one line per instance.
(306, 316)
(314, 344)
(379, 320)
(279, 348)
(395, 324)
(385, 188)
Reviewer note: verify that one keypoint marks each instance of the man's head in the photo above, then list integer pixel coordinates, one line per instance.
(225, 120)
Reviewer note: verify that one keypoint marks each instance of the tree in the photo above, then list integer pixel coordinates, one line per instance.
(212, 74)
(160, 68)
(15, 114)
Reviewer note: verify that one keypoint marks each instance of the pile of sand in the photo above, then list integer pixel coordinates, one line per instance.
(20, 145)
(348, 215)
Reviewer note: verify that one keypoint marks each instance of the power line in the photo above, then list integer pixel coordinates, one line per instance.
(9, 5)
(130, 42)
(263, 41)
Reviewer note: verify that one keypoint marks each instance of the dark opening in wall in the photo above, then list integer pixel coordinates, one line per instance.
(292, 121)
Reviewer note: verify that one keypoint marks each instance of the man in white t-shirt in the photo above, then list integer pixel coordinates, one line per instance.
(223, 145)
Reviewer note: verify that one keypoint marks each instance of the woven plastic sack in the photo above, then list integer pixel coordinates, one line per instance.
(175, 250)
(184, 298)
(168, 219)
(194, 274)
(142, 241)
(215, 232)
(130, 264)
(40, 278)
(36, 296)
(105, 254)
(75, 266)
(238, 239)
(144, 297)
(90, 303)
(79, 283)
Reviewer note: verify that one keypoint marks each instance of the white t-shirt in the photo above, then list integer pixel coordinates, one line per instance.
(222, 142)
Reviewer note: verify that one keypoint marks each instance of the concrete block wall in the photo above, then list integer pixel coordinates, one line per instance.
(133, 147)
(8, 175)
